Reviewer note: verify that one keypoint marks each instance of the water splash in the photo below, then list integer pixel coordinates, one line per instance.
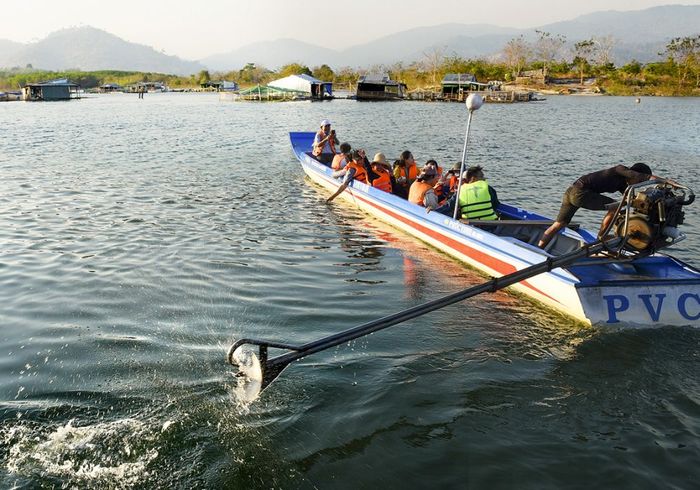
(112, 454)
(249, 376)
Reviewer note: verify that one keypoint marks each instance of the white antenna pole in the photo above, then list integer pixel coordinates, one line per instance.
(474, 101)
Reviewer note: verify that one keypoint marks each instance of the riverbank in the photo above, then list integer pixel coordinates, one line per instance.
(608, 87)
(653, 79)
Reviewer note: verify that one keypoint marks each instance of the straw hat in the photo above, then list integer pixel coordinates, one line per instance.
(379, 158)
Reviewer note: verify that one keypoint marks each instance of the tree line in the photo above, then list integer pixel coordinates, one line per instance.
(678, 72)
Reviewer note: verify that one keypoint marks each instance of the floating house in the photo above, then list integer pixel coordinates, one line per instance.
(147, 87)
(313, 87)
(379, 87)
(60, 89)
(220, 85)
(456, 83)
(109, 88)
(456, 86)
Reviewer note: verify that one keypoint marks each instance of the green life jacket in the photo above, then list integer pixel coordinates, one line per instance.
(475, 201)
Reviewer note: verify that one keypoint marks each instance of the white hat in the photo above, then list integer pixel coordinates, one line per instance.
(325, 122)
(379, 158)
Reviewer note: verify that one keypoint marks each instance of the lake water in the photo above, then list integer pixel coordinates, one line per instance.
(140, 238)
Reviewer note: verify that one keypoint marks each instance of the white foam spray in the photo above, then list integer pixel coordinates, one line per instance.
(249, 376)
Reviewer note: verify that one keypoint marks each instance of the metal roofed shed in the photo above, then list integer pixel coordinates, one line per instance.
(455, 83)
(379, 87)
(313, 87)
(266, 92)
(59, 89)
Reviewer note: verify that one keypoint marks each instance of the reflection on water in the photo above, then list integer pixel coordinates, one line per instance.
(135, 252)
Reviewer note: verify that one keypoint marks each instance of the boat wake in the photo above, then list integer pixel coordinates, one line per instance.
(106, 455)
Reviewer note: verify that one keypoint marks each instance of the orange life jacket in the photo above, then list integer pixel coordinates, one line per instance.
(383, 182)
(360, 172)
(439, 190)
(317, 150)
(417, 192)
(338, 162)
(454, 181)
(412, 174)
(439, 187)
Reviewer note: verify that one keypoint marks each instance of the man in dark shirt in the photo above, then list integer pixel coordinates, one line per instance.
(587, 191)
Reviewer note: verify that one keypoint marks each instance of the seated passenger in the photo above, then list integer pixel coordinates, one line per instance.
(439, 182)
(405, 172)
(324, 143)
(368, 166)
(340, 159)
(354, 170)
(477, 199)
(447, 181)
(434, 164)
(421, 191)
(453, 180)
(382, 178)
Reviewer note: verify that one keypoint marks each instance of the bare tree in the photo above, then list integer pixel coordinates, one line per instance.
(432, 61)
(548, 47)
(583, 51)
(604, 46)
(378, 69)
(517, 52)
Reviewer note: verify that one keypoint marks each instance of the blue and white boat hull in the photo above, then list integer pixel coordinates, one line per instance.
(652, 291)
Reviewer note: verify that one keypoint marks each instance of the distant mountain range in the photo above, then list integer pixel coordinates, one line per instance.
(639, 35)
(87, 48)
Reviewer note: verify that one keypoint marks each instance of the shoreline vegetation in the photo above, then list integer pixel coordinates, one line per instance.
(522, 65)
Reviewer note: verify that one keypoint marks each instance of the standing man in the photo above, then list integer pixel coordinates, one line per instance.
(587, 191)
(324, 143)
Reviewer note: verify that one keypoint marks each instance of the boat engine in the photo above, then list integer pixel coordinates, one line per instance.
(649, 214)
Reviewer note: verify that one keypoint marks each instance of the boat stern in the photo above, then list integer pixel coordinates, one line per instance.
(653, 291)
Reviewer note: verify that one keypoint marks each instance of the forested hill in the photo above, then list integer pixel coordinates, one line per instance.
(87, 48)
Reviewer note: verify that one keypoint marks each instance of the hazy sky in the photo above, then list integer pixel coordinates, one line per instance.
(194, 29)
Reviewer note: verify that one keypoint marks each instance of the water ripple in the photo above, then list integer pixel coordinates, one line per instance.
(140, 238)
